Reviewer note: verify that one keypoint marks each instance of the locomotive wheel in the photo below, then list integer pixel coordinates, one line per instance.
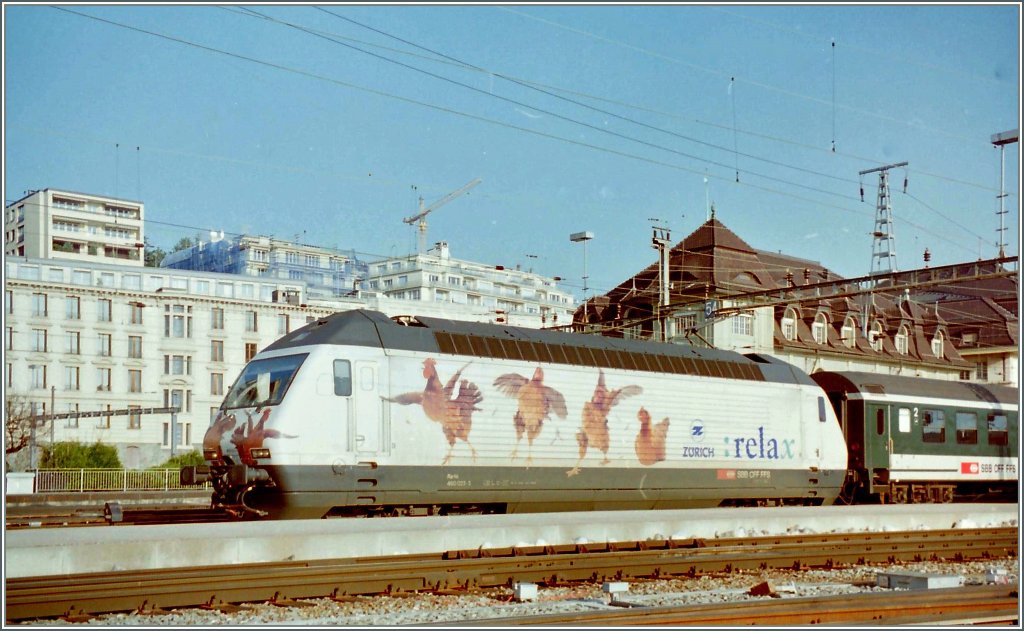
(899, 495)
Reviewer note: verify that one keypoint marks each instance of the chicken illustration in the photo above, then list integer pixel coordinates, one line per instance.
(594, 429)
(211, 440)
(650, 441)
(536, 402)
(249, 436)
(454, 414)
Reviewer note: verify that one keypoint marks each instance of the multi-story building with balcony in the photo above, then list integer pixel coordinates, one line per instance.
(57, 224)
(325, 271)
(435, 282)
(92, 337)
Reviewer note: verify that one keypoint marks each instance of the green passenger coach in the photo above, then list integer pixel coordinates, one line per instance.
(913, 440)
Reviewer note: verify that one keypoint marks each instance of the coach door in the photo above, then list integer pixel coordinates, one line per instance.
(877, 437)
(368, 420)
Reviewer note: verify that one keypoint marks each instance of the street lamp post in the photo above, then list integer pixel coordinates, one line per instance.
(576, 237)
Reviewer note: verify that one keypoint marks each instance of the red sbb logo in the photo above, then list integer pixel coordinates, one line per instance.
(969, 467)
(726, 474)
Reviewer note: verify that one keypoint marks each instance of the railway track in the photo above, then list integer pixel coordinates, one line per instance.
(111, 513)
(988, 604)
(284, 583)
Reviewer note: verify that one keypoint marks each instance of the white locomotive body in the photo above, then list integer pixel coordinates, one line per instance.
(359, 414)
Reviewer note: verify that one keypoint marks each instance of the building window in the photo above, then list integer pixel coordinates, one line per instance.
(250, 351)
(789, 324)
(251, 321)
(72, 421)
(103, 310)
(9, 338)
(103, 379)
(177, 364)
(177, 321)
(9, 301)
(72, 378)
(849, 332)
(134, 418)
(73, 308)
(875, 336)
(217, 350)
(39, 340)
(217, 318)
(104, 347)
(818, 328)
(938, 342)
(37, 375)
(981, 371)
(135, 346)
(10, 375)
(902, 340)
(136, 312)
(74, 343)
(134, 380)
(39, 305)
(216, 383)
(282, 324)
(104, 421)
(742, 324)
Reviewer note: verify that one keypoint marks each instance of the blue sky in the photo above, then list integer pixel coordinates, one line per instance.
(327, 124)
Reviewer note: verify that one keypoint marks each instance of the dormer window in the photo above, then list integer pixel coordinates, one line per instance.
(789, 324)
(849, 332)
(902, 340)
(875, 335)
(818, 328)
(937, 343)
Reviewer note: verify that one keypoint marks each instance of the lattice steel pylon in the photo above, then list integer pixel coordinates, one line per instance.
(883, 247)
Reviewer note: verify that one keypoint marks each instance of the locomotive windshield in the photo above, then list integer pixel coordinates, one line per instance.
(263, 382)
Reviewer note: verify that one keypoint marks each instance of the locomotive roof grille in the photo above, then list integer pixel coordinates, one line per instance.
(435, 335)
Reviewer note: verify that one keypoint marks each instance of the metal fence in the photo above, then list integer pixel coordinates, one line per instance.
(87, 480)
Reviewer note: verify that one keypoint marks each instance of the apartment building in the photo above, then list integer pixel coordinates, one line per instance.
(326, 272)
(469, 290)
(58, 224)
(92, 337)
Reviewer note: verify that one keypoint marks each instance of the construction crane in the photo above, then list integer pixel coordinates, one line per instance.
(421, 216)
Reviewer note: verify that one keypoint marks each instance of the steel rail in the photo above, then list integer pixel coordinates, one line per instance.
(54, 596)
(988, 603)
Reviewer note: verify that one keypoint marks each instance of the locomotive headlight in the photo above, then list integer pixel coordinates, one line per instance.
(210, 454)
(259, 453)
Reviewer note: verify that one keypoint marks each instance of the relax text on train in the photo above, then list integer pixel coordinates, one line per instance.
(358, 414)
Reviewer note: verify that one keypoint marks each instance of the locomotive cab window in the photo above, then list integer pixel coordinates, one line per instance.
(342, 377)
(997, 429)
(966, 428)
(934, 428)
(264, 382)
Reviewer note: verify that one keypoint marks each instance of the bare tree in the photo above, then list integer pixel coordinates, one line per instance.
(18, 422)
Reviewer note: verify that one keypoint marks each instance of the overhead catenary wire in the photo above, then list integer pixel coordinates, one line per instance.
(476, 117)
(437, 57)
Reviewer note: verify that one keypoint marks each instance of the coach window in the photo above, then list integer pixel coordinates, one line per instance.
(966, 428)
(997, 429)
(342, 378)
(904, 420)
(934, 428)
(821, 409)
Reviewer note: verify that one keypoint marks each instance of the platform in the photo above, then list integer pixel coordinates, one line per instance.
(40, 552)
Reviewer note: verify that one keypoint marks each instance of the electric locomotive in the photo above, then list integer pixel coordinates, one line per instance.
(912, 439)
(358, 414)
